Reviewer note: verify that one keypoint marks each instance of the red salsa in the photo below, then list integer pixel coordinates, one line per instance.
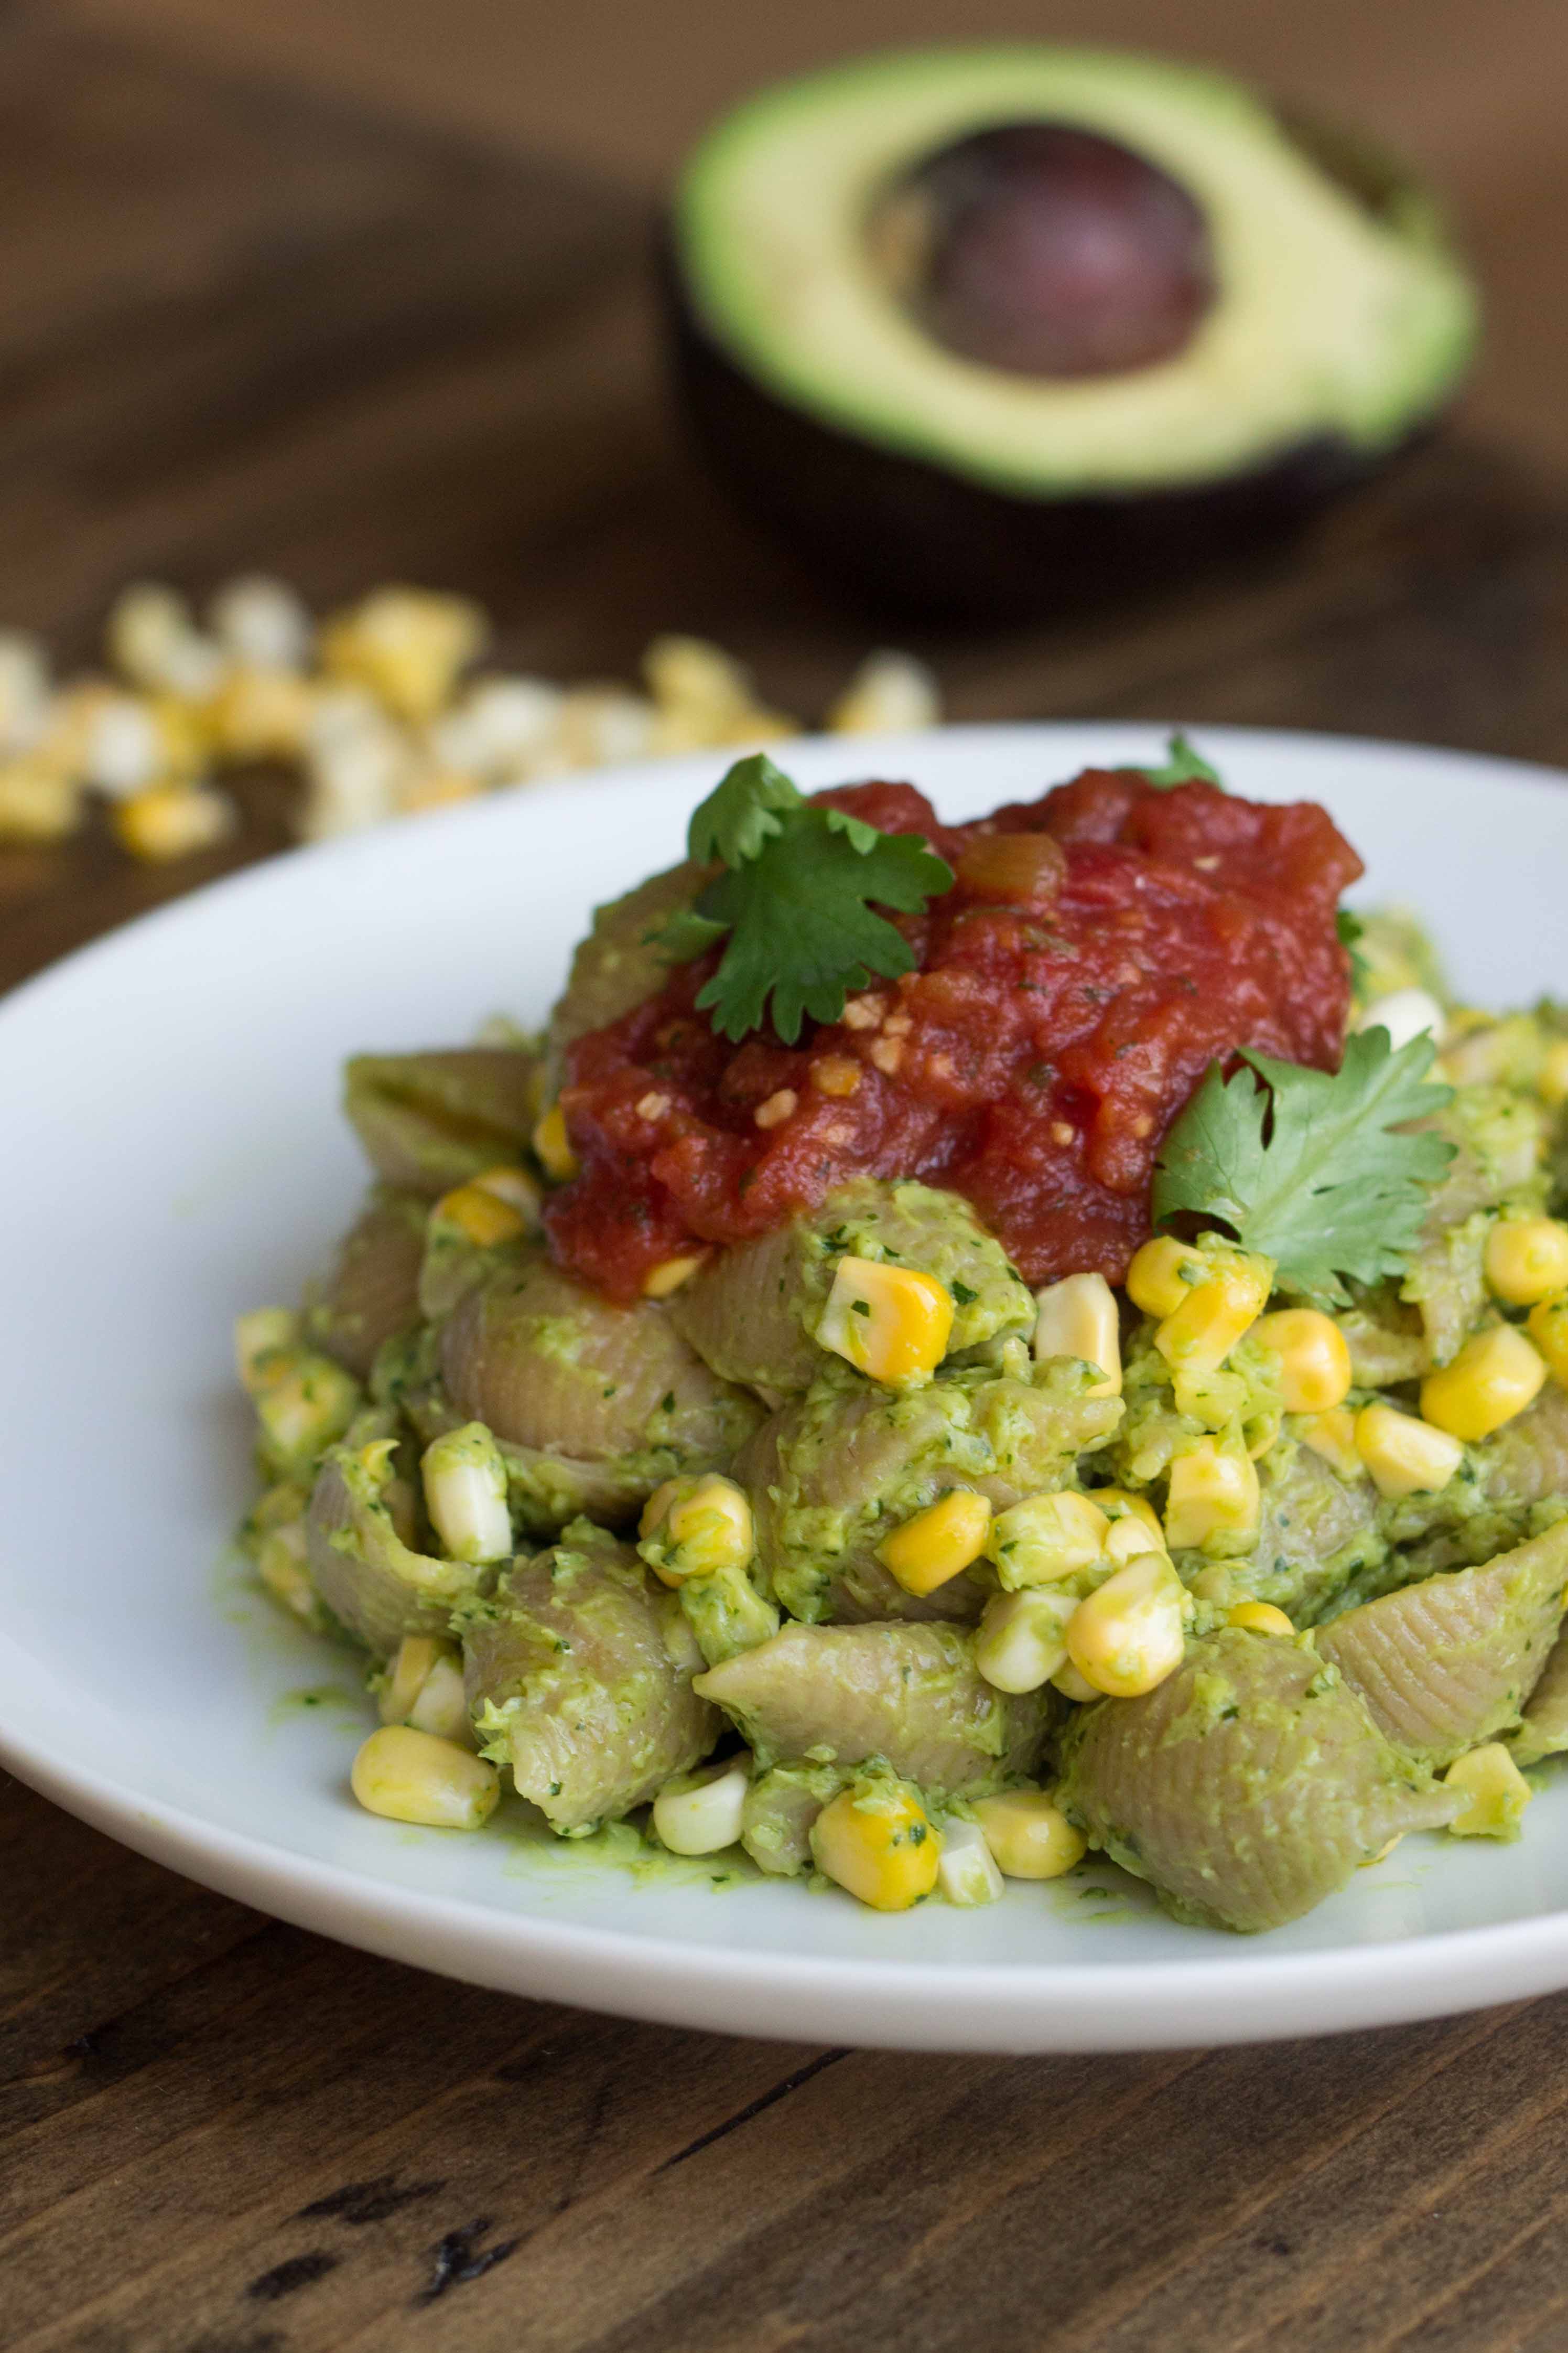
(1099, 949)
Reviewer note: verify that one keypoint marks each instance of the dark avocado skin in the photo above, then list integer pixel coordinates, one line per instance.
(916, 541)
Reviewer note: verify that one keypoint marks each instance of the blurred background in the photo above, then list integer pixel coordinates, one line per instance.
(363, 293)
(1470, 89)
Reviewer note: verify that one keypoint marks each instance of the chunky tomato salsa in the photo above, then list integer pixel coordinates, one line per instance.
(1100, 948)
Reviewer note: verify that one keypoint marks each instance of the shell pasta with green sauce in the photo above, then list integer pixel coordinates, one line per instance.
(958, 1346)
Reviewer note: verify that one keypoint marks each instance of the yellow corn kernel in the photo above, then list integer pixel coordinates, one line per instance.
(261, 715)
(697, 1527)
(1405, 1457)
(1197, 1336)
(1547, 1326)
(553, 1146)
(1129, 1634)
(1162, 1274)
(1552, 1081)
(280, 1564)
(1314, 1358)
(1078, 1317)
(1527, 1259)
(1332, 1436)
(414, 1776)
(304, 1403)
(888, 691)
(173, 820)
(1495, 1793)
(36, 804)
(481, 1215)
(1261, 1618)
(1214, 1498)
(258, 1335)
(1494, 1376)
(465, 1480)
(1134, 1524)
(891, 1323)
(1028, 1834)
(702, 1812)
(1045, 1538)
(514, 1186)
(966, 1871)
(938, 1543)
(1021, 1641)
(407, 645)
(665, 1279)
(424, 1687)
(876, 1840)
(1071, 1685)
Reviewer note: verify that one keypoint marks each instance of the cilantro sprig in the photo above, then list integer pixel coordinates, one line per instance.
(1184, 765)
(1319, 1171)
(796, 904)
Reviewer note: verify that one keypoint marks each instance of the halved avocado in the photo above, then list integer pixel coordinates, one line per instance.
(980, 330)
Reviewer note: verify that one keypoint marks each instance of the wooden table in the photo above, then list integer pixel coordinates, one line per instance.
(244, 327)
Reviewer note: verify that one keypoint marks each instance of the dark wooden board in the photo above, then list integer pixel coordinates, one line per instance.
(244, 328)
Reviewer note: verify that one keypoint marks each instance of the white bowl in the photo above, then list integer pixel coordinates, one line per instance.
(176, 1154)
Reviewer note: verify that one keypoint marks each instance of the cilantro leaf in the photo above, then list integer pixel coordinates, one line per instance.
(1184, 766)
(1317, 1171)
(742, 813)
(1351, 931)
(803, 932)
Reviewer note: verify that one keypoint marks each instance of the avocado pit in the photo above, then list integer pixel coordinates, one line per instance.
(1046, 250)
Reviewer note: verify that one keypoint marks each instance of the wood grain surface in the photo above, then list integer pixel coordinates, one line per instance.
(244, 325)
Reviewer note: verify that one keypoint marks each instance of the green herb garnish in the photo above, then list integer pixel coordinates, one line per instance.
(1352, 932)
(1184, 766)
(796, 903)
(1312, 1169)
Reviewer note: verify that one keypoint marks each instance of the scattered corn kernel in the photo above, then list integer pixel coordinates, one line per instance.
(836, 1074)
(173, 820)
(408, 1776)
(1527, 1259)
(1261, 1618)
(1214, 1498)
(36, 804)
(1547, 1326)
(891, 1323)
(1332, 1436)
(888, 692)
(1496, 1792)
(1045, 1538)
(1162, 1274)
(938, 1543)
(966, 1870)
(701, 1812)
(1072, 1686)
(1314, 1358)
(407, 645)
(697, 1526)
(481, 1215)
(514, 1186)
(1405, 1457)
(465, 1482)
(664, 1280)
(1197, 1336)
(876, 1840)
(1021, 1641)
(1494, 1376)
(153, 641)
(1028, 1834)
(261, 624)
(1129, 1634)
(24, 691)
(1078, 1317)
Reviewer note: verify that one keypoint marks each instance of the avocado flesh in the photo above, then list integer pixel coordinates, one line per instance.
(1339, 326)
